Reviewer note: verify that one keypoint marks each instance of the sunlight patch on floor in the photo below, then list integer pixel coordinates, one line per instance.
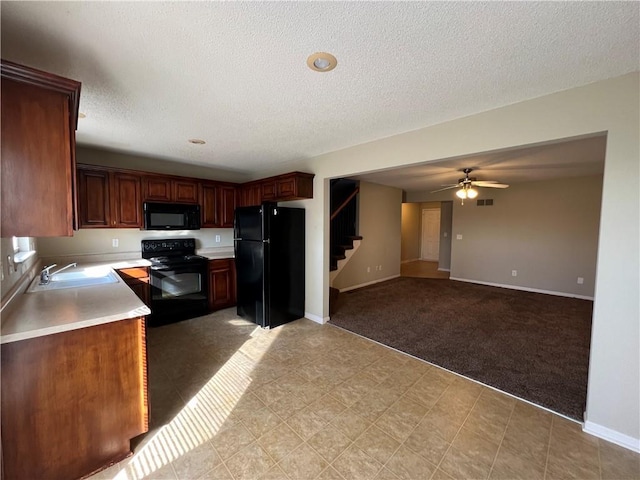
(204, 414)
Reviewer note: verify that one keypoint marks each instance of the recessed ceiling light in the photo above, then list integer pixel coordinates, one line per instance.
(322, 62)
(197, 141)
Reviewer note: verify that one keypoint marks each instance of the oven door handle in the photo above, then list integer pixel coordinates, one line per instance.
(157, 268)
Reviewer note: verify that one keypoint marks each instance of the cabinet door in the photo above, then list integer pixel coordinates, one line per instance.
(93, 198)
(208, 195)
(185, 191)
(157, 189)
(225, 206)
(251, 195)
(221, 284)
(126, 206)
(269, 192)
(37, 161)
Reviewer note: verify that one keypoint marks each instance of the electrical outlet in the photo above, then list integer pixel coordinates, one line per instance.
(580, 280)
(368, 269)
(115, 242)
(217, 238)
(380, 268)
(445, 234)
(458, 237)
(514, 273)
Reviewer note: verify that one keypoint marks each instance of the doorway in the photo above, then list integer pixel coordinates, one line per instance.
(430, 240)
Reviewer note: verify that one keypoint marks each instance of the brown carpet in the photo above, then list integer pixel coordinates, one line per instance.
(531, 345)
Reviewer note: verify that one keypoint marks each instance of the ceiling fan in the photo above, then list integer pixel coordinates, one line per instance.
(467, 184)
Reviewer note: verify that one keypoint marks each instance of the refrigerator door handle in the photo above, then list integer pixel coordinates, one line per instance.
(266, 241)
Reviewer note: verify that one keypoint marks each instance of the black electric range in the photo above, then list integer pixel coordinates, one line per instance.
(178, 278)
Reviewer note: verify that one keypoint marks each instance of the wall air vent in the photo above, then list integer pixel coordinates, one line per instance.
(482, 203)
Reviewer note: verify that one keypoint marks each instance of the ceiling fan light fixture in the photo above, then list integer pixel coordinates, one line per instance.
(462, 193)
(472, 193)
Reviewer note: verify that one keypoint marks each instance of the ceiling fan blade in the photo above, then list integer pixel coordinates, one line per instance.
(494, 185)
(445, 188)
(483, 182)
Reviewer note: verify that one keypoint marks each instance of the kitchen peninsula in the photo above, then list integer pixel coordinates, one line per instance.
(74, 380)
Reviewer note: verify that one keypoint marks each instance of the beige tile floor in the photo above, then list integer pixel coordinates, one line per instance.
(305, 401)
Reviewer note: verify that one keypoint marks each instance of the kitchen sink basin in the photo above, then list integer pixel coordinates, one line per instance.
(75, 279)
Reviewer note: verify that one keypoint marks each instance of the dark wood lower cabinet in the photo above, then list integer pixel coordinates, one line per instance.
(72, 401)
(222, 284)
(137, 279)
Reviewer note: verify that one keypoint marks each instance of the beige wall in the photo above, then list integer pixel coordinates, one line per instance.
(546, 231)
(612, 106)
(410, 246)
(98, 241)
(106, 158)
(380, 224)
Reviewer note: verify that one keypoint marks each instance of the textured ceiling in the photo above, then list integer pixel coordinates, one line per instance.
(155, 74)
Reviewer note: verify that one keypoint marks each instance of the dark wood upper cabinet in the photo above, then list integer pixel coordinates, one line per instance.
(39, 117)
(94, 199)
(218, 203)
(108, 199)
(185, 191)
(290, 186)
(251, 194)
(159, 188)
(126, 200)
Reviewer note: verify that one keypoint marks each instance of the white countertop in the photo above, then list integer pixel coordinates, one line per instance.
(37, 314)
(215, 253)
(44, 313)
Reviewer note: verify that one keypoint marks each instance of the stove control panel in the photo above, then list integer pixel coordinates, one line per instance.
(171, 246)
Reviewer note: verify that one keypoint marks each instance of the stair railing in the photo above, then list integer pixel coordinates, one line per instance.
(345, 203)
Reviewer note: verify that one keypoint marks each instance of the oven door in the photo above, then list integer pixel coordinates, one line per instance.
(178, 292)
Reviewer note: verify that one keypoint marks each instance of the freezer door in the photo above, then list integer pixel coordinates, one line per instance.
(248, 223)
(250, 275)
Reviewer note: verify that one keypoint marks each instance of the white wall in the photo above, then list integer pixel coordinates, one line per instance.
(547, 231)
(379, 225)
(612, 106)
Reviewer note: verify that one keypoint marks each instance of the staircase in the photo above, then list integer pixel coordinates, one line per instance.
(344, 216)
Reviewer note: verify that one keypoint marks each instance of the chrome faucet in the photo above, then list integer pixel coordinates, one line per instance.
(45, 275)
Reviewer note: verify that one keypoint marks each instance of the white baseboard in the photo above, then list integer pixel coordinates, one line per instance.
(410, 260)
(525, 289)
(316, 318)
(444, 269)
(346, 289)
(612, 436)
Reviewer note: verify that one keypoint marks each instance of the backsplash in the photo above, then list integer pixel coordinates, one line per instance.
(100, 240)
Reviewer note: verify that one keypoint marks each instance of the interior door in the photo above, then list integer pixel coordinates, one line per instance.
(430, 234)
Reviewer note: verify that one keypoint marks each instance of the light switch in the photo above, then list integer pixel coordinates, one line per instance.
(458, 237)
(580, 280)
(115, 242)
(446, 234)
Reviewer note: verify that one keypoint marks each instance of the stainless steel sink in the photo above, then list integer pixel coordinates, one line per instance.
(76, 279)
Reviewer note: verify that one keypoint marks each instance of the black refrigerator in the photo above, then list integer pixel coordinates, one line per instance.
(269, 250)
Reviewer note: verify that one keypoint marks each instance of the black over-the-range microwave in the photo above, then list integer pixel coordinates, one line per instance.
(171, 216)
